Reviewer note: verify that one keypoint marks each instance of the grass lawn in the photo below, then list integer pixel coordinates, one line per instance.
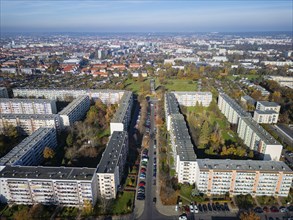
(123, 204)
(181, 85)
(135, 85)
(186, 190)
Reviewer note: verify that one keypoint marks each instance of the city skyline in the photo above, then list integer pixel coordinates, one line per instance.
(145, 16)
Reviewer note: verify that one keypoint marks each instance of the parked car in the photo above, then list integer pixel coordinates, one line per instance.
(258, 210)
(191, 208)
(274, 209)
(210, 207)
(283, 209)
(141, 183)
(226, 207)
(195, 209)
(265, 209)
(176, 208)
(200, 207)
(214, 207)
(205, 208)
(154, 200)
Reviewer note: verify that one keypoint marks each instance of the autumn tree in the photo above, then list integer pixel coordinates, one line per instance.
(249, 216)
(204, 134)
(276, 96)
(256, 94)
(69, 139)
(48, 153)
(87, 208)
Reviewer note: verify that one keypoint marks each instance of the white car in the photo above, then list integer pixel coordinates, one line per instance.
(283, 210)
(191, 208)
(176, 208)
(195, 209)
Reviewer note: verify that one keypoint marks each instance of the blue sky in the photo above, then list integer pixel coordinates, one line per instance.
(142, 15)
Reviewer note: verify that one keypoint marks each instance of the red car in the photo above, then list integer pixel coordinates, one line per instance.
(141, 183)
(143, 170)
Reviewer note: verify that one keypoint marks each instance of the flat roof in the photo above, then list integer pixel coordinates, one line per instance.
(268, 104)
(25, 146)
(29, 116)
(110, 158)
(240, 111)
(260, 131)
(49, 173)
(122, 109)
(72, 105)
(243, 165)
(26, 100)
(172, 104)
(184, 147)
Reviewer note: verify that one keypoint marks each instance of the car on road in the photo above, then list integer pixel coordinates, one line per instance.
(191, 208)
(176, 208)
(143, 169)
(141, 183)
(195, 209)
(142, 177)
(283, 209)
(204, 207)
(155, 174)
(210, 207)
(290, 208)
(154, 200)
(258, 210)
(183, 217)
(214, 207)
(140, 197)
(200, 207)
(274, 209)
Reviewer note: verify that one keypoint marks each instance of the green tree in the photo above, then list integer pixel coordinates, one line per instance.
(69, 139)
(204, 133)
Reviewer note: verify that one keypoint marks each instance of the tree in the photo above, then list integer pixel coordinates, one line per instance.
(10, 131)
(48, 153)
(69, 139)
(87, 208)
(22, 214)
(249, 216)
(276, 96)
(204, 133)
(256, 94)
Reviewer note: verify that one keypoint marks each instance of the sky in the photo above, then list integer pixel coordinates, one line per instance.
(146, 15)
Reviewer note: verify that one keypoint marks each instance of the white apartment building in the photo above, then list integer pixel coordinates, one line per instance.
(258, 139)
(3, 92)
(171, 107)
(266, 117)
(258, 178)
(278, 63)
(220, 59)
(231, 109)
(193, 98)
(30, 151)
(64, 186)
(106, 96)
(182, 149)
(283, 80)
(28, 123)
(112, 164)
(268, 106)
(122, 116)
(75, 110)
(27, 106)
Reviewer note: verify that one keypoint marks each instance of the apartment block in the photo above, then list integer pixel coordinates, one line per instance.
(111, 167)
(27, 106)
(75, 110)
(268, 106)
(182, 149)
(64, 186)
(258, 139)
(30, 151)
(106, 96)
(258, 178)
(28, 123)
(266, 117)
(231, 109)
(171, 107)
(283, 80)
(3, 92)
(122, 116)
(193, 98)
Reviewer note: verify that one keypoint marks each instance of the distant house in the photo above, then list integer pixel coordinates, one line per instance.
(135, 66)
(118, 66)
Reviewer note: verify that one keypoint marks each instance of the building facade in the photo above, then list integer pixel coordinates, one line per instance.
(122, 116)
(64, 186)
(258, 139)
(27, 106)
(266, 117)
(28, 123)
(112, 165)
(30, 151)
(193, 98)
(236, 177)
(75, 111)
(3, 92)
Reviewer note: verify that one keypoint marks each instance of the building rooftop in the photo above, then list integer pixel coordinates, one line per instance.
(110, 158)
(122, 109)
(260, 131)
(243, 165)
(184, 147)
(268, 104)
(30, 116)
(240, 111)
(3, 100)
(72, 105)
(16, 154)
(39, 172)
(248, 98)
(172, 104)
